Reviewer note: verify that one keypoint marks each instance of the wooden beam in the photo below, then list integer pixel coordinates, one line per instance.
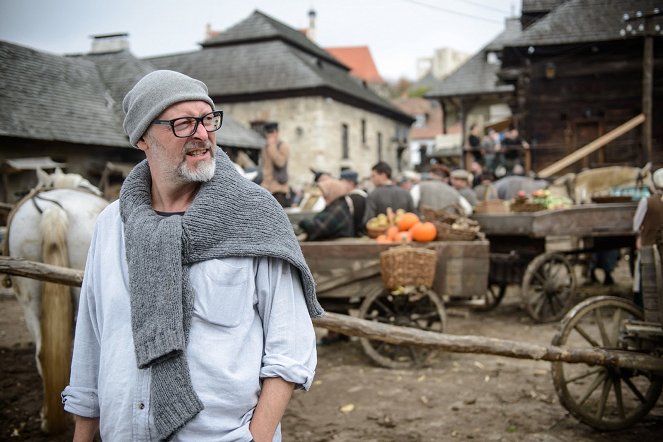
(483, 345)
(591, 147)
(349, 325)
(40, 271)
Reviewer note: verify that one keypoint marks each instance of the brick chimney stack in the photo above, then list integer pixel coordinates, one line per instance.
(310, 32)
(107, 43)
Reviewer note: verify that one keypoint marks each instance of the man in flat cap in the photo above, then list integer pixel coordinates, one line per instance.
(194, 315)
(460, 180)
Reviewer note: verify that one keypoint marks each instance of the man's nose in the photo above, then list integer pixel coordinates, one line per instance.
(201, 132)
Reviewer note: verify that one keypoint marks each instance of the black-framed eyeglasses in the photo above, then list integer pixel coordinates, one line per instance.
(184, 127)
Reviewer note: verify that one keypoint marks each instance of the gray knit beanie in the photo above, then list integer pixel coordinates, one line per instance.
(153, 94)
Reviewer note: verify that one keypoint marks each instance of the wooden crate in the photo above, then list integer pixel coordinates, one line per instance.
(462, 268)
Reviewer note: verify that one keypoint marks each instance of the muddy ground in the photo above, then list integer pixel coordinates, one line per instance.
(459, 397)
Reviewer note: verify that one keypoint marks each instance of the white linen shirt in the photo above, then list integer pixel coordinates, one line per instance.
(249, 322)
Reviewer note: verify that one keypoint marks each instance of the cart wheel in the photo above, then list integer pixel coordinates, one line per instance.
(548, 287)
(422, 310)
(605, 398)
(494, 295)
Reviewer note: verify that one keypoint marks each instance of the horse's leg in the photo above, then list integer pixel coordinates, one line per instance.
(56, 320)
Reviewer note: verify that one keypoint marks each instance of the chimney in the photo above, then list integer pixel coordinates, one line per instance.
(311, 25)
(102, 44)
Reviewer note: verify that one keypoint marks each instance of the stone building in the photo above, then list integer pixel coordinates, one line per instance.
(262, 70)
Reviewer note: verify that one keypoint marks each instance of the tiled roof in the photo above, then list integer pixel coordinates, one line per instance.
(477, 76)
(78, 99)
(51, 97)
(261, 27)
(360, 62)
(420, 106)
(272, 66)
(582, 21)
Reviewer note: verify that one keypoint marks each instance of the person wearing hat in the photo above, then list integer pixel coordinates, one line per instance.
(648, 223)
(275, 164)
(460, 180)
(434, 193)
(358, 199)
(194, 315)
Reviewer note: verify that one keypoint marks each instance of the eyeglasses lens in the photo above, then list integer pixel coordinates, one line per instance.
(187, 126)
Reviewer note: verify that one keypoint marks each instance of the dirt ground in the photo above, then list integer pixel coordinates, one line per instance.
(458, 397)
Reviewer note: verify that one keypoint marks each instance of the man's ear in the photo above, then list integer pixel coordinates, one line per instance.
(142, 144)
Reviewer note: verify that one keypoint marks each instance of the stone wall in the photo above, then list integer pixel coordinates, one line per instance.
(313, 128)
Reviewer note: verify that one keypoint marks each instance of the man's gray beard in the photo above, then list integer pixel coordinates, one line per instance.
(204, 172)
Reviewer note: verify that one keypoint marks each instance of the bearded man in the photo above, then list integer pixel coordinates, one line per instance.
(194, 317)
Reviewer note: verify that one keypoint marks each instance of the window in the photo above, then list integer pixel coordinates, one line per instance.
(420, 120)
(492, 58)
(379, 146)
(363, 131)
(345, 142)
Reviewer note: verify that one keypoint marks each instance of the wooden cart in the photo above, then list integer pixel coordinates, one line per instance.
(605, 397)
(347, 274)
(521, 252)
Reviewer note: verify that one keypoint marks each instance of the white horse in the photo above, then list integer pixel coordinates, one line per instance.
(55, 227)
(583, 186)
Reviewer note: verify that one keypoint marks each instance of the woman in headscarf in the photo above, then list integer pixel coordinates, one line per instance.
(336, 220)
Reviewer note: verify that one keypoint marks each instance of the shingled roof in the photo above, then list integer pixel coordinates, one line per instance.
(260, 27)
(122, 70)
(55, 98)
(78, 99)
(477, 76)
(244, 68)
(582, 21)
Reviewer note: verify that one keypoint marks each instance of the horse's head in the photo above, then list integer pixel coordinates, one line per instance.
(644, 177)
(61, 180)
(563, 186)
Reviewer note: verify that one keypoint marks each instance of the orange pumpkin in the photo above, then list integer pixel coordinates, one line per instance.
(382, 239)
(424, 232)
(407, 220)
(392, 233)
(403, 236)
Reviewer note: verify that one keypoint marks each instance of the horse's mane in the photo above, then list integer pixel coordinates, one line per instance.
(61, 180)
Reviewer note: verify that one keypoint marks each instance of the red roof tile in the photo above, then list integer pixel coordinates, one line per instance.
(360, 62)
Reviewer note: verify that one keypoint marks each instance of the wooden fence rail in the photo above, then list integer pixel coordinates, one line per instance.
(404, 335)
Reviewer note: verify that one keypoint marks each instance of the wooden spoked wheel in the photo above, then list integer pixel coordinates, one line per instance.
(494, 295)
(548, 287)
(605, 398)
(422, 309)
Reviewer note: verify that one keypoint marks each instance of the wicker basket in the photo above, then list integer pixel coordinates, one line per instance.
(491, 206)
(447, 233)
(526, 207)
(374, 233)
(406, 265)
(448, 214)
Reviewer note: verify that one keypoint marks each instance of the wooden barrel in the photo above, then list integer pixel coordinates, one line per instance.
(652, 284)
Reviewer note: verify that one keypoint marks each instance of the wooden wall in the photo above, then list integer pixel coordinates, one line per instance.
(569, 95)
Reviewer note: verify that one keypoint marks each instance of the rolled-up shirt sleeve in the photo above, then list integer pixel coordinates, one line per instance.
(80, 397)
(290, 351)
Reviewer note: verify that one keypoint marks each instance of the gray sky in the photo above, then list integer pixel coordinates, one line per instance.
(397, 31)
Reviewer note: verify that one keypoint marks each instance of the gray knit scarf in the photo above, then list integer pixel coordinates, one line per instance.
(230, 216)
